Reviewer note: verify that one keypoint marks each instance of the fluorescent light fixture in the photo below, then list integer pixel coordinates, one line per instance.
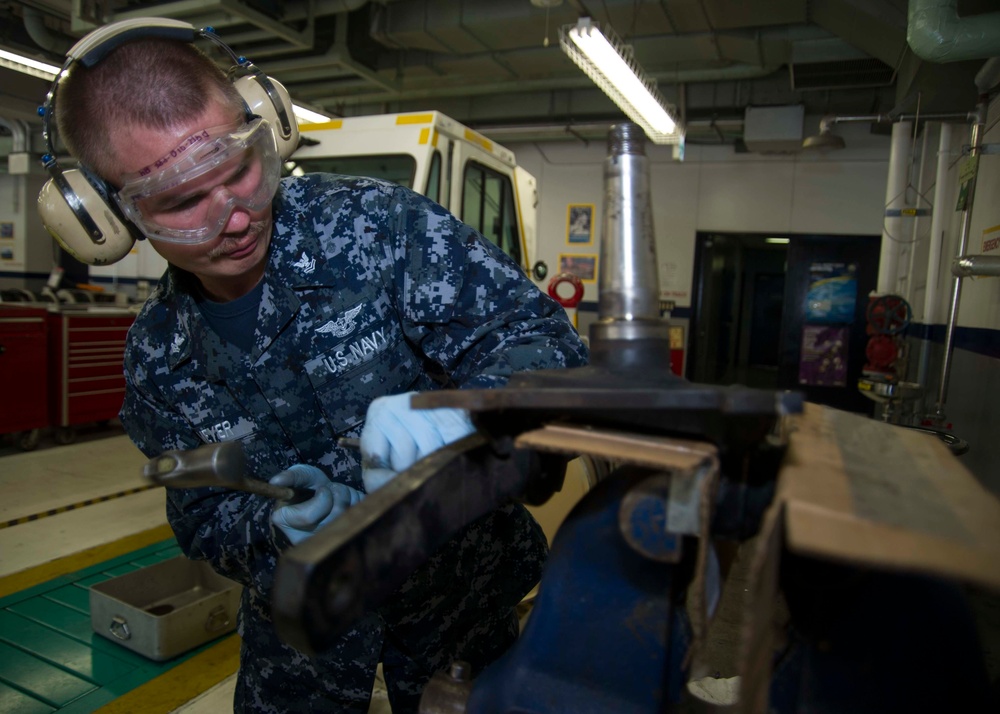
(26, 65)
(308, 116)
(601, 55)
(777, 240)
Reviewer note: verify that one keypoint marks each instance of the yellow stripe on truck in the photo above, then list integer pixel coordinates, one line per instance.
(333, 124)
(414, 119)
(479, 139)
(425, 134)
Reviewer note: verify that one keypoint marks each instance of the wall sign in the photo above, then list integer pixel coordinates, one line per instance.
(582, 266)
(580, 223)
(833, 289)
(991, 239)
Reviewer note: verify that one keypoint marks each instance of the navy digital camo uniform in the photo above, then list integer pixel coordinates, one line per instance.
(369, 290)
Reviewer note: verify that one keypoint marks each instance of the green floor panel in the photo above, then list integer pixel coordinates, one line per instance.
(166, 547)
(60, 618)
(122, 569)
(159, 557)
(72, 596)
(47, 643)
(13, 701)
(93, 580)
(40, 679)
(60, 650)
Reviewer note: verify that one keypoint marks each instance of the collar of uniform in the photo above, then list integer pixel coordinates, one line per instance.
(179, 350)
(194, 342)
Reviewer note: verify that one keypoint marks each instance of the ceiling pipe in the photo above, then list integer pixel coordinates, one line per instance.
(988, 75)
(590, 130)
(437, 91)
(238, 11)
(936, 33)
(34, 25)
(827, 140)
(19, 133)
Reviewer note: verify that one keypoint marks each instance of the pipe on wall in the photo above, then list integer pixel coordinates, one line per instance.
(938, 221)
(895, 197)
(975, 136)
(969, 266)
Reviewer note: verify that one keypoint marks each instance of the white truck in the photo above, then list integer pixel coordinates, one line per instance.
(475, 178)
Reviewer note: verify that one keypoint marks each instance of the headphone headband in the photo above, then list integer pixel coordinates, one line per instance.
(92, 48)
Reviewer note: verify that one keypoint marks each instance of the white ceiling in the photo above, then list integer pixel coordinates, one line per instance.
(487, 63)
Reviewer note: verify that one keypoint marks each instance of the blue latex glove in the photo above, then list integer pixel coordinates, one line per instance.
(396, 436)
(301, 520)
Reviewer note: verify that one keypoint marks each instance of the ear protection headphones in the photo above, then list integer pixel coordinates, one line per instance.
(77, 207)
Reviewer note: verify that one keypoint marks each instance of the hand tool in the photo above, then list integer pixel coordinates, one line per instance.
(221, 465)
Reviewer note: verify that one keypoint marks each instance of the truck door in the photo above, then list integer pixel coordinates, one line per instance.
(487, 204)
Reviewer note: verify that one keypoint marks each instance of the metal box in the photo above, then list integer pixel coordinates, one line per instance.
(165, 609)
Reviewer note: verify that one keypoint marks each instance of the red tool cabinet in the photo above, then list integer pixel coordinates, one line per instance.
(86, 350)
(23, 372)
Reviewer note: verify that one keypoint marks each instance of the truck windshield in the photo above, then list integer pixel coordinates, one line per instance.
(398, 168)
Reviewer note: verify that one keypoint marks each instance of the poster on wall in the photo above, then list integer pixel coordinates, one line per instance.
(824, 356)
(582, 266)
(580, 223)
(832, 295)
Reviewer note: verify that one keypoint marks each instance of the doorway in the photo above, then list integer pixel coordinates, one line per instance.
(756, 319)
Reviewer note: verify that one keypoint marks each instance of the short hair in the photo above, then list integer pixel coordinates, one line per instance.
(152, 82)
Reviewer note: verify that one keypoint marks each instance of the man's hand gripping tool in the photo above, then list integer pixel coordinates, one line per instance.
(221, 465)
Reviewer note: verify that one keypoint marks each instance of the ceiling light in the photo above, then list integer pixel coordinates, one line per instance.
(777, 240)
(308, 116)
(826, 140)
(602, 56)
(18, 63)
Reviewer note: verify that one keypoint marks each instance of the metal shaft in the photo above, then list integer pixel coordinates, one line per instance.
(629, 287)
(629, 299)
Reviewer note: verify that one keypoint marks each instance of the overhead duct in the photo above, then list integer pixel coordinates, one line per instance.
(936, 33)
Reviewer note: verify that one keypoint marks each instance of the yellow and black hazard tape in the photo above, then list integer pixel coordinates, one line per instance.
(73, 506)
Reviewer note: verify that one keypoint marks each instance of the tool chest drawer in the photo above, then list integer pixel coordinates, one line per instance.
(86, 353)
(23, 369)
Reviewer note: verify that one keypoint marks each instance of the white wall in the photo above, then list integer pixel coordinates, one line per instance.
(30, 248)
(715, 189)
(142, 262)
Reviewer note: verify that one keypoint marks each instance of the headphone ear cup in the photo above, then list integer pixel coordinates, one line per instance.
(65, 227)
(252, 88)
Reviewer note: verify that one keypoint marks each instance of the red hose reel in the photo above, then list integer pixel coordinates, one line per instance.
(573, 280)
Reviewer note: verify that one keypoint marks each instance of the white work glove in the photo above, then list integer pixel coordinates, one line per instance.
(301, 520)
(396, 436)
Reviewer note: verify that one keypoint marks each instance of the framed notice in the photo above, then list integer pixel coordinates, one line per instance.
(832, 295)
(991, 239)
(823, 362)
(582, 266)
(580, 223)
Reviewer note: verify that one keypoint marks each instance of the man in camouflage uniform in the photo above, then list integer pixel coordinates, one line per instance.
(280, 331)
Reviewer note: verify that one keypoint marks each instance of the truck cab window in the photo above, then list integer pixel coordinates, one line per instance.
(397, 168)
(433, 191)
(488, 206)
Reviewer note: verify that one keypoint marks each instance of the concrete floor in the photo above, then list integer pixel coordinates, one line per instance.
(101, 464)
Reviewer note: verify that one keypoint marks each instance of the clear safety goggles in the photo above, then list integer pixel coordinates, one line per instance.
(188, 195)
